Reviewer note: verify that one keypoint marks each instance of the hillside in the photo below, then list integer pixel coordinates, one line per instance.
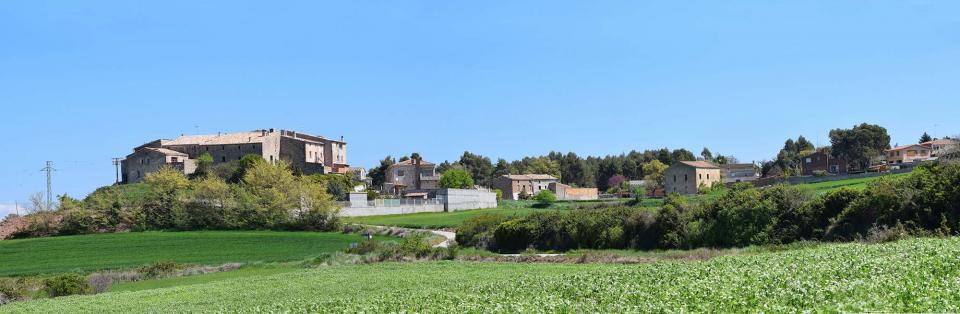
(917, 275)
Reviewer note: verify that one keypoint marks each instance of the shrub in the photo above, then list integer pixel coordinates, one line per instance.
(499, 194)
(159, 269)
(66, 284)
(545, 198)
(514, 235)
(478, 231)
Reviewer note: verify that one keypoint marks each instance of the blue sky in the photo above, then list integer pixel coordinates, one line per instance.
(81, 82)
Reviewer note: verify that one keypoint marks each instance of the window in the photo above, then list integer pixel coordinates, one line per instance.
(809, 160)
(674, 178)
(399, 173)
(223, 159)
(708, 176)
(700, 176)
(173, 159)
(138, 173)
(685, 178)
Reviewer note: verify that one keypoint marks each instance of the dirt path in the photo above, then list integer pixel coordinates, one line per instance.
(450, 236)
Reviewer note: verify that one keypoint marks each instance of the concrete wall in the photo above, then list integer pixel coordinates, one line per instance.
(457, 199)
(395, 210)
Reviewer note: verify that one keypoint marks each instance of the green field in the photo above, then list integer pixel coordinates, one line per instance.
(119, 250)
(919, 275)
(246, 271)
(856, 184)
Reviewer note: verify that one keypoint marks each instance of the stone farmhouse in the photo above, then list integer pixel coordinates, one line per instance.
(512, 185)
(412, 178)
(309, 154)
(686, 177)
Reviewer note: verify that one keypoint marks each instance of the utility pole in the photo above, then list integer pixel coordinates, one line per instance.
(116, 164)
(16, 205)
(49, 169)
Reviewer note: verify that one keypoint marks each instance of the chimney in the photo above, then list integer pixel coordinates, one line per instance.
(341, 138)
(271, 130)
(263, 132)
(218, 133)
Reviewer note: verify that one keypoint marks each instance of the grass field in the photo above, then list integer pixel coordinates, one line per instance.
(919, 275)
(246, 271)
(119, 250)
(856, 184)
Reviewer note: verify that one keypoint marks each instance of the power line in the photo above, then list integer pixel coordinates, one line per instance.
(116, 164)
(49, 169)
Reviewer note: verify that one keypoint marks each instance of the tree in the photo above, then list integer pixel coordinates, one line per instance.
(502, 168)
(480, 167)
(543, 165)
(682, 155)
(654, 170)
(925, 138)
(456, 179)
(416, 156)
(706, 154)
(545, 197)
(859, 144)
(164, 200)
(269, 187)
(379, 174)
(37, 204)
(204, 165)
(615, 181)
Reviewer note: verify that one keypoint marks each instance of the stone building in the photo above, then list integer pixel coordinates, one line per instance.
(513, 184)
(686, 177)
(306, 153)
(568, 193)
(411, 178)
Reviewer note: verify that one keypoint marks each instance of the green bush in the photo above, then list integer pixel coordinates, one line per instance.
(545, 198)
(478, 231)
(66, 284)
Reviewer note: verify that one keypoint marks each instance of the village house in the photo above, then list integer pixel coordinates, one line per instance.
(513, 185)
(307, 154)
(941, 146)
(908, 154)
(739, 173)
(687, 177)
(413, 178)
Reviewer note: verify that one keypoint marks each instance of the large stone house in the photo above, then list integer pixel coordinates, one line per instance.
(686, 177)
(411, 178)
(512, 185)
(308, 154)
(941, 146)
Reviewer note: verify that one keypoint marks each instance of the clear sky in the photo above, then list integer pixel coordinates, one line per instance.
(84, 81)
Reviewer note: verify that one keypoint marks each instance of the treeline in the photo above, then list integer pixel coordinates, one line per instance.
(264, 196)
(571, 168)
(926, 202)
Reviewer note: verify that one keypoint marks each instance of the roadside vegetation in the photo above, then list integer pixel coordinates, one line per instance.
(917, 275)
(921, 203)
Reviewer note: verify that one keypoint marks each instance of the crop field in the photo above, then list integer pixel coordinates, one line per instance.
(118, 250)
(918, 275)
(856, 184)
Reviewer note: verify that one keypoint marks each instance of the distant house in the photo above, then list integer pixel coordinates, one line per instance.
(908, 154)
(739, 173)
(941, 146)
(512, 185)
(411, 178)
(568, 193)
(686, 177)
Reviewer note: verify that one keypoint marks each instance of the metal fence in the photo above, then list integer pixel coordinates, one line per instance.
(395, 202)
